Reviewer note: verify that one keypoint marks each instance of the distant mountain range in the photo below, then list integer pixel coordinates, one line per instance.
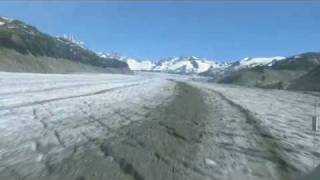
(177, 65)
(299, 72)
(23, 48)
(192, 64)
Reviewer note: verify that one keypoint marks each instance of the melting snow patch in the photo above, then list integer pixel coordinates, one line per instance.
(2, 23)
(210, 162)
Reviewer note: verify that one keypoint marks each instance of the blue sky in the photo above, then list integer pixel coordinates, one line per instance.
(221, 31)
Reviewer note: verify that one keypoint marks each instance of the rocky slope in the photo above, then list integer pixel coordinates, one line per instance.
(309, 81)
(254, 62)
(245, 63)
(296, 72)
(46, 53)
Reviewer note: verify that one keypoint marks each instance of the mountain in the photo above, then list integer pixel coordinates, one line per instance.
(137, 65)
(258, 61)
(134, 64)
(246, 63)
(305, 61)
(310, 81)
(176, 65)
(111, 56)
(24, 48)
(73, 40)
(186, 65)
(299, 72)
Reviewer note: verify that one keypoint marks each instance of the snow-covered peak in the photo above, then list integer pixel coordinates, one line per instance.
(136, 65)
(191, 64)
(259, 61)
(186, 65)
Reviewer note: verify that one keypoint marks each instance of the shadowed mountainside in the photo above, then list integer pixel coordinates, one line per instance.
(295, 73)
(18, 39)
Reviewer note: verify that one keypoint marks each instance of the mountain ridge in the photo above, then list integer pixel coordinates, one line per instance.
(295, 72)
(24, 48)
(28, 40)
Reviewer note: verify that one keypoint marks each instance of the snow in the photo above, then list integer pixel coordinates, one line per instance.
(203, 66)
(259, 61)
(45, 116)
(6, 18)
(189, 64)
(112, 56)
(102, 55)
(134, 65)
(74, 40)
(284, 117)
(140, 65)
(210, 162)
(185, 65)
(175, 66)
(2, 23)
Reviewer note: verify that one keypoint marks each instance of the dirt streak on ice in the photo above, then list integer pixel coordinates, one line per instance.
(283, 117)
